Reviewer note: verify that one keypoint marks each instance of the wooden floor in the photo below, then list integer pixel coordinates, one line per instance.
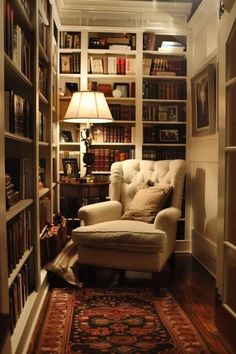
(194, 289)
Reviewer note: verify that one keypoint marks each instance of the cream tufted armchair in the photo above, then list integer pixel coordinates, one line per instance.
(117, 234)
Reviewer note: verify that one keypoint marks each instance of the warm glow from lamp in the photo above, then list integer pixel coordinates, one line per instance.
(88, 106)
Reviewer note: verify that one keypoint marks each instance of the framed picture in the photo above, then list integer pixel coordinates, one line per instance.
(203, 102)
(65, 66)
(66, 136)
(169, 135)
(123, 87)
(168, 113)
(70, 168)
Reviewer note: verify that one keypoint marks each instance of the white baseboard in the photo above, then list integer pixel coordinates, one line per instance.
(183, 246)
(204, 250)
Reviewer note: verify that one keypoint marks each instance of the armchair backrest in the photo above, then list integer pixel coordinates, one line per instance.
(126, 175)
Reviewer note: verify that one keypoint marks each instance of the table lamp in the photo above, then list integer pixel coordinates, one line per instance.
(88, 107)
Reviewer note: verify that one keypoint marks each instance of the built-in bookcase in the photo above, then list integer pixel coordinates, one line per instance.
(164, 96)
(107, 63)
(144, 78)
(28, 174)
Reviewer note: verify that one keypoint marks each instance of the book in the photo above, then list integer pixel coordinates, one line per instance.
(16, 169)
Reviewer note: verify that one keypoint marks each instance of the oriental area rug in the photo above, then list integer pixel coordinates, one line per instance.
(116, 320)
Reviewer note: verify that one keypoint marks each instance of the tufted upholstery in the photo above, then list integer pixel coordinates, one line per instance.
(106, 240)
(125, 177)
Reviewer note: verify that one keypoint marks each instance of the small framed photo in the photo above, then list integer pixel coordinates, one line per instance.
(70, 168)
(123, 87)
(169, 135)
(71, 87)
(65, 66)
(168, 113)
(66, 136)
(172, 113)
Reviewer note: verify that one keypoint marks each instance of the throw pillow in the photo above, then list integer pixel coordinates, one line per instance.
(147, 202)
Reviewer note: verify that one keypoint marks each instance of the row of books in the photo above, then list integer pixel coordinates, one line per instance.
(42, 33)
(70, 63)
(18, 118)
(155, 113)
(103, 158)
(171, 47)
(70, 40)
(16, 43)
(166, 154)
(43, 126)
(19, 238)
(152, 42)
(165, 135)
(18, 293)
(168, 90)
(149, 41)
(114, 134)
(44, 212)
(12, 194)
(42, 173)
(164, 67)
(43, 79)
(126, 89)
(122, 112)
(105, 42)
(16, 176)
(112, 65)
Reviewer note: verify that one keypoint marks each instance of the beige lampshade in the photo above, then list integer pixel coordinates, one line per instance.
(88, 106)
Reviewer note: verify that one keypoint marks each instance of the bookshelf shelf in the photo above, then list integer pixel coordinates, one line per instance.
(15, 75)
(17, 208)
(42, 192)
(19, 138)
(163, 100)
(113, 144)
(121, 99)
(111, 76)
(43, 55)
(70, 75)
(164, 77)
(23, 17)
(146, 122)
(163, 145)
(166, 54)
(18, 267)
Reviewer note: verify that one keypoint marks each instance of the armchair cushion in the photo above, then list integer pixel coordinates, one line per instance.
(124, 235)
(148, 201)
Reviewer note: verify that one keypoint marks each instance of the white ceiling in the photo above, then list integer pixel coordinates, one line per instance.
(75, 12)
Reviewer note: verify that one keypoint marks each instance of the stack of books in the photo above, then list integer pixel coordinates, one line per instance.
(171, 46)
(12, 195)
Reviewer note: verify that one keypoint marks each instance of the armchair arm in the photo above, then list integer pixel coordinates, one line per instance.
(167, 218)
(100, 212)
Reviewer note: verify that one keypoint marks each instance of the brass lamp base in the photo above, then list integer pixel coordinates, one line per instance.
(88, 177)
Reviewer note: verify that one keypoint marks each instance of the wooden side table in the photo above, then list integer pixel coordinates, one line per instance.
(74, 195)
